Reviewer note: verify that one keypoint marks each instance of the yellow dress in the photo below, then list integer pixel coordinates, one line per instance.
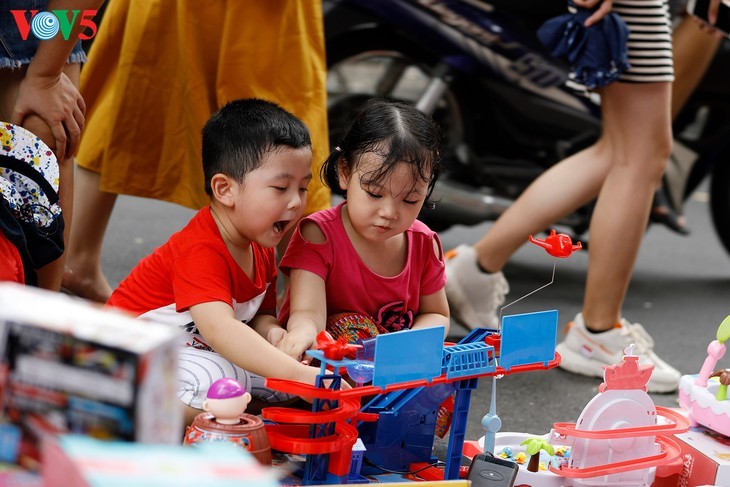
(158, 69)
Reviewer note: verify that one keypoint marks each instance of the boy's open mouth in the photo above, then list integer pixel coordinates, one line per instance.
(280, 226)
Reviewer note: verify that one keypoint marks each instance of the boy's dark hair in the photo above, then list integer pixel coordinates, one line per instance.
(237, 136)
(396, 131)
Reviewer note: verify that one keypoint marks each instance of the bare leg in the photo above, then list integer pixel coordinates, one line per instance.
(49, 277)
(694, 50)
(636, 120)
(566, 186)
(83, 275)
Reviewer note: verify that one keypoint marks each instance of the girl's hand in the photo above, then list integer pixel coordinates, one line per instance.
(58, 103)
(296, 342)
(602, 11)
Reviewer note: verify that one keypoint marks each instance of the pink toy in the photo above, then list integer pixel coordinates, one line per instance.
(619, 439)
(225, 420)
(227, 401)
(706, 400)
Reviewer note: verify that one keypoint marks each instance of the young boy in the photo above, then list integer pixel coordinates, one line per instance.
(216, 278)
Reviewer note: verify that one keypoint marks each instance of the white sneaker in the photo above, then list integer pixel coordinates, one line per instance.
(586, 353)
(473, 295)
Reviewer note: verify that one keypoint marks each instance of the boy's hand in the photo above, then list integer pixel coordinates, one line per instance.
(275, 335)
(296, 342)
(309, 375)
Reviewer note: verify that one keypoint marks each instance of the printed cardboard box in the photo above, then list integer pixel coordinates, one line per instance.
(705, 460)
(79, 461)
(70, 366)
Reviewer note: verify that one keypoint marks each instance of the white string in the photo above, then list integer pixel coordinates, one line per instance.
(552, 279)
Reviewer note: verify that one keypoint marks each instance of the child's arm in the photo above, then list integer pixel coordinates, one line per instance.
(243, 346)
(308, 301)
(433, 311)
(266, 325)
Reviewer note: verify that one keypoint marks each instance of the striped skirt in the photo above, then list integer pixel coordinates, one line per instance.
(650, 40)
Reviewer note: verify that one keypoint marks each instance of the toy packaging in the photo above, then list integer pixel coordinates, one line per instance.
(69, 366)
(705, 456)
(78, 461)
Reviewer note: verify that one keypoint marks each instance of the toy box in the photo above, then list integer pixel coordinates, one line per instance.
(79, 461)
(69, 366)
(705, 460)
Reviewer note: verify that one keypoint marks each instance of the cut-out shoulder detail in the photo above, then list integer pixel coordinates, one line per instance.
(311, 232)
(437, 248)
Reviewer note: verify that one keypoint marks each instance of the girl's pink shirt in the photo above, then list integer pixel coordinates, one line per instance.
(352, 287)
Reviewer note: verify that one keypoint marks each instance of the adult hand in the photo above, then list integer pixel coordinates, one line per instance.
(602, 11)
(58, 103)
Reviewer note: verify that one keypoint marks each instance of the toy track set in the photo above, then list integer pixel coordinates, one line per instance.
(398, 424)
(621, 438)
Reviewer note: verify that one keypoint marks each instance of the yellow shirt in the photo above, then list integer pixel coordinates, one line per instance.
(158, 69)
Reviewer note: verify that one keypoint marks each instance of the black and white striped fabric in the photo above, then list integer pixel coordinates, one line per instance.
(650, 40)
(198, 369)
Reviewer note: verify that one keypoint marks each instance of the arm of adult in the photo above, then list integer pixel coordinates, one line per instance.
(308, 316)
(601, 12)
(47, 92)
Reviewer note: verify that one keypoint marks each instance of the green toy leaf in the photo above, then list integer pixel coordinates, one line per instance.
(723, 331)
(534, 445)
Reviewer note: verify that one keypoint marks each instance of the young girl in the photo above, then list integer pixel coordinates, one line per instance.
(369, 256)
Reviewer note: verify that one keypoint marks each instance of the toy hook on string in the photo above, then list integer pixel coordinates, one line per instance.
(560, 246)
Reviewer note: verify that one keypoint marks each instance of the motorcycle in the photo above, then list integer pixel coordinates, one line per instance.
(508, 109)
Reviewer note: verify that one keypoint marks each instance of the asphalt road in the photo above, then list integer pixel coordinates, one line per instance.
(679, 292)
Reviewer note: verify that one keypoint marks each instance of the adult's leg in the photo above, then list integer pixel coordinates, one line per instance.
(637, 124)
(694, 50)
(562, 189)
(49, 277)
(83, 275)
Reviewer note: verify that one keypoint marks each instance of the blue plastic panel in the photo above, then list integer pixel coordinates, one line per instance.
(528, 338)
(408, 355)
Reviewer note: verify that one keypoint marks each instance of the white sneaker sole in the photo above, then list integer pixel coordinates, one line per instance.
(578, 364)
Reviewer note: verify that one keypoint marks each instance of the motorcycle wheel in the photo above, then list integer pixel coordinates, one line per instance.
(720, 202)
(367, 64)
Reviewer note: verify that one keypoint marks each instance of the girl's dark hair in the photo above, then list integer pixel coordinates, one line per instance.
(238, 135)
(398, 133)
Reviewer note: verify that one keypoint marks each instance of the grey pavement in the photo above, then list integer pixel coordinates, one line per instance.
(679, 292)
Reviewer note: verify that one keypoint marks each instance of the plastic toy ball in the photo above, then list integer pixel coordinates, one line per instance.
(557, 244)
(361, 371)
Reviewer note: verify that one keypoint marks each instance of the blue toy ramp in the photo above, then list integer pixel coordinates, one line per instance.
(528, 338)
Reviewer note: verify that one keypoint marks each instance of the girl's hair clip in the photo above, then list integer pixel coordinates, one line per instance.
(337, 149)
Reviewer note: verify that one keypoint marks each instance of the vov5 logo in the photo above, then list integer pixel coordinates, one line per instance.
(46, 25)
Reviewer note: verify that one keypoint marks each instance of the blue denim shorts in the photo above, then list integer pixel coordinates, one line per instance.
(16, 52)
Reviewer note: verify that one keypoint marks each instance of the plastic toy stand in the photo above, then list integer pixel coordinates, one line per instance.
(397, 425)
(698, 394)
(620, 438)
